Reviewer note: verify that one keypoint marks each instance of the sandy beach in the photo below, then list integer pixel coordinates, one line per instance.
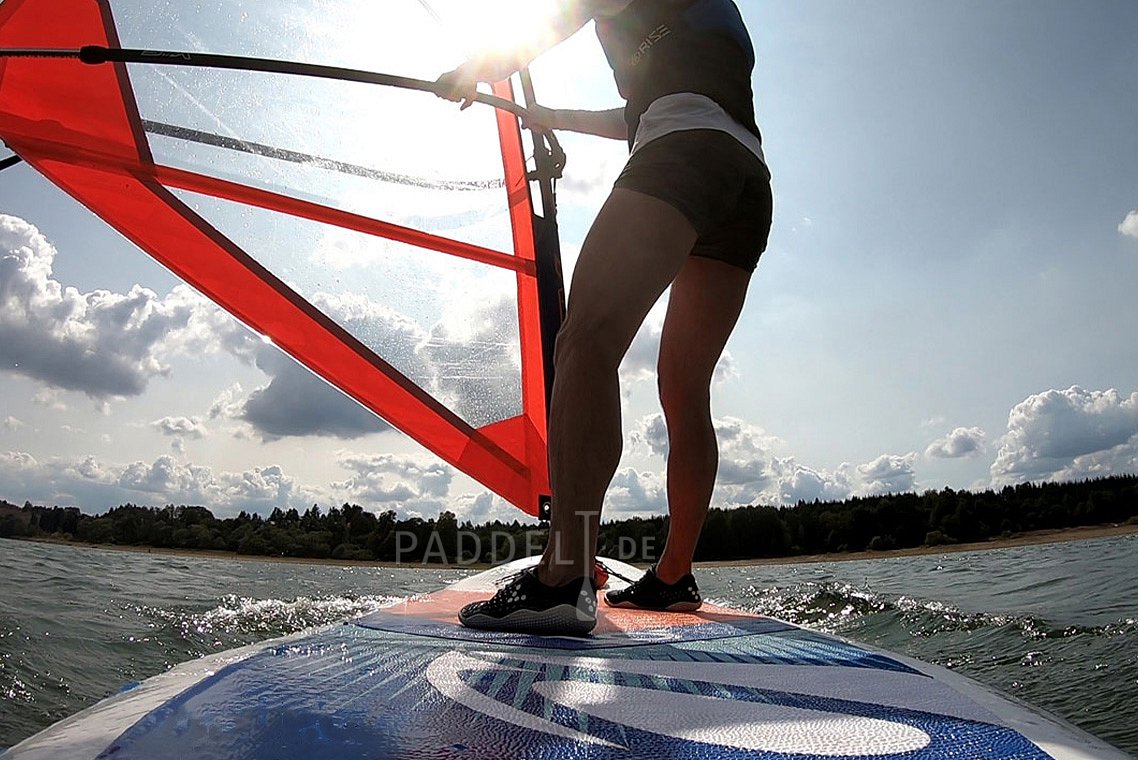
(1021, 539)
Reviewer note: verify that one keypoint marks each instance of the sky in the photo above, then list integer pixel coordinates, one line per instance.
(947, 299)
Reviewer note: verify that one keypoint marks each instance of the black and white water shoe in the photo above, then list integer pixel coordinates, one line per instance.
(651, 593)
(526, 605)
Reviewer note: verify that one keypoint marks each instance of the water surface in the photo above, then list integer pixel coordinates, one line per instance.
(1055, 625)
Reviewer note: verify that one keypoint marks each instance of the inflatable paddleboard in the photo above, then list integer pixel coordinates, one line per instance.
(409, 682)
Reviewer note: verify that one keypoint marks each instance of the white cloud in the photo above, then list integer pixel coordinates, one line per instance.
(1069, 434)
(1129, 226)
(109, 345)
(180, 429)
(413, 484)
(753, 469)
(297, 402)
(97, 485)
(650, 433)
(633, 492)
(13, 423)
(474, 357)
(416, 483)
(469, 361)
(102, 344)
(50, 398)
(888, 473)
(484, 507)
(227, 404)
(797, 483)
(639, 363)
(961, 442)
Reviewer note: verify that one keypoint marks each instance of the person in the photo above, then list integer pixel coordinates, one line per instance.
(692, 210)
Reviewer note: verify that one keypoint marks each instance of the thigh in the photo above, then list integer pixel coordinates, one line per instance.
(633, 251)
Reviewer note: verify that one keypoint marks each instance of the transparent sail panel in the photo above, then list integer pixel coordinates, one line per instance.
(400, 156)
(448, 324)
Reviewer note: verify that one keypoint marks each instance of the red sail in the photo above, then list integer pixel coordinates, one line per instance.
(245, 184)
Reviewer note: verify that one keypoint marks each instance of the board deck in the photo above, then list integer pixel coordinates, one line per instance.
(409, 682)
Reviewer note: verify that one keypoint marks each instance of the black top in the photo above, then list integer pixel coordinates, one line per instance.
(662, 47)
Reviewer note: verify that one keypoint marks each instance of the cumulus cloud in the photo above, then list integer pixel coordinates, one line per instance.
(639, 362)
(1129, 226)
(180, 429)
(1068, 435)
(50, 398)
(746, 458)
(468, 361)
(297, 402)
(411, 485)
(96, 484)
(415, 483)
(102, 344)
(961, 442)
(13, 423)
(484, 507)
(473, 356)
(754, 469)
(634, 492)
(650, 433)
(109, 345)
(888, 473)
(796, 482)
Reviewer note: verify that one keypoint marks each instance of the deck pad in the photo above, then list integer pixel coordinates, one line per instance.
(436, 615)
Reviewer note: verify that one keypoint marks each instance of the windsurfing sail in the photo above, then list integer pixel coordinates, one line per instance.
(378, 235)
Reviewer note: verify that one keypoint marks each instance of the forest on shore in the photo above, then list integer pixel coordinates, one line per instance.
(351, 532)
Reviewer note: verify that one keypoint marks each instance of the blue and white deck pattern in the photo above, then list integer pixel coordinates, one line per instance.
(399, 684)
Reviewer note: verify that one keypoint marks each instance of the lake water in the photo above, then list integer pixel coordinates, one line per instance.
(1054, 625)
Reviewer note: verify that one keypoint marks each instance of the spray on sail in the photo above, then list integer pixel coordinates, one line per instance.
(376, 234)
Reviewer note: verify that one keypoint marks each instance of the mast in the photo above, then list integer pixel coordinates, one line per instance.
(549, 160)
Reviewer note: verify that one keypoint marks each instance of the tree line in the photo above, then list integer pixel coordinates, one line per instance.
(894, 521)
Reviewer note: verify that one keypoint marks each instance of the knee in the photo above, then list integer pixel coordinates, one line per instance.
(683, 395)
(581, 341)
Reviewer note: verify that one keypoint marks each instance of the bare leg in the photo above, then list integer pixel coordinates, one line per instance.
(632, 253)
(706, 300)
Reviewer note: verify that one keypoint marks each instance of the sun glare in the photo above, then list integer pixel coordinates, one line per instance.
(496, 24)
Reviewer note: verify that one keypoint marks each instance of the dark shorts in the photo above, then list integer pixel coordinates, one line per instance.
(719, 185)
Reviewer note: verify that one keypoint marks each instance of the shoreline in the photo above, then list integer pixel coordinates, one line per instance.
(1030, 538)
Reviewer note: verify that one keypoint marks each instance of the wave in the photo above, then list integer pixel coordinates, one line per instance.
(239, 616)
(841, 607)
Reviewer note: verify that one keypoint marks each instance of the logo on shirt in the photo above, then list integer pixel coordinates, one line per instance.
(654, 36)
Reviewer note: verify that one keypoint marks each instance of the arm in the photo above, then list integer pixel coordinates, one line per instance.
(609, 124)
(494, 66)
